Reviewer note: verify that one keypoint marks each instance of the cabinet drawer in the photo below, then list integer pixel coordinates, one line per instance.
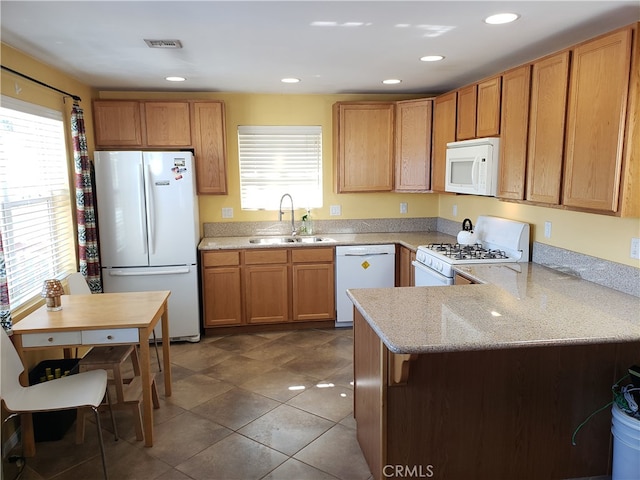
(220, 259)
(120, 335)
(51, 339)
(258, 257)
(306, 255)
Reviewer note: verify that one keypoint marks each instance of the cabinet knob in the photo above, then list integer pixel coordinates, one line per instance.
(109, 337)
(50, 339)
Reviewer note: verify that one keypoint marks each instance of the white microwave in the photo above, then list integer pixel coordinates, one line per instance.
(472, 166)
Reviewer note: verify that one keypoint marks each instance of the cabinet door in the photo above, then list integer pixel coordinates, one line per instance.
(266, 293)
(467, 103)
(221, 288)
(549, 82)
(406, 277)
(516, 85)
(117, 123)
(222, 296)
(167, 124)
(208, 129)
(488, 111)
(444, 131)
(313, 292)
(413, 145)
(364, 151)
(596, 122)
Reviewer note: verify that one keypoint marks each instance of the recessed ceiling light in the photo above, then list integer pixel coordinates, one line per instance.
(431, 58)
(175, 79)
(391, 81)
(501, 18)
(290, 80)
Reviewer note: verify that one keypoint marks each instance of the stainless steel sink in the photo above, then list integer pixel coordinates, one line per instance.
(312, 239)
(272, 240)
(285, 240)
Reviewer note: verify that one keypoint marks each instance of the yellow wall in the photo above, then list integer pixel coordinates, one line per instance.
(600, 236)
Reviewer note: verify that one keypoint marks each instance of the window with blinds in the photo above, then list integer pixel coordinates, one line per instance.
(275, 160)
(35, 203)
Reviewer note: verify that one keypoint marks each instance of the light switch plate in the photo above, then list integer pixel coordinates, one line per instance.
(227, 212)
(547, 229)
(635, 248)
(335, 210)
(403, 207)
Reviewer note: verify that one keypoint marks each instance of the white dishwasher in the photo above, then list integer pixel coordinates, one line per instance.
(361, 266)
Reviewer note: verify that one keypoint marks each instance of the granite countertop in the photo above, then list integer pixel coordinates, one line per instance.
(408, 239)
(514, 306)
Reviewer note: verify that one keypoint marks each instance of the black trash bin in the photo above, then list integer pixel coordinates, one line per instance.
(51, 426)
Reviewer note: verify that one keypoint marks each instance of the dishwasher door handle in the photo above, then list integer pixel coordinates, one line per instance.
(365, 254)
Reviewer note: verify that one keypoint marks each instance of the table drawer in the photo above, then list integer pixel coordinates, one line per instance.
(120, 335)
(51, 339)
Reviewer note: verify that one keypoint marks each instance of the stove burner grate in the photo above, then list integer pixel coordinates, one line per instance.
(467, 252)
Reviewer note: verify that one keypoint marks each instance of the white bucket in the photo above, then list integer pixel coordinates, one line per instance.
(626, 445)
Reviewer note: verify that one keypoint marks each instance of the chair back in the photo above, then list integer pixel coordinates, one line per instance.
(10, 365)
(77, 284)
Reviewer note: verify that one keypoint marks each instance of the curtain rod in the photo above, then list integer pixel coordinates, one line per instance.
(75, 97)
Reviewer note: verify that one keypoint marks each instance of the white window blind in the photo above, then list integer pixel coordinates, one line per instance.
(275, 160)
(35, 203)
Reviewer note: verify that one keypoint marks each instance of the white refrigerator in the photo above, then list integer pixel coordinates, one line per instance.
(149, 230)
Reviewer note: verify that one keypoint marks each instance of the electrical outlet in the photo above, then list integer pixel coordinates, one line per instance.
(335, 210)
(455, 210)
(635, 248)
(403, 207)
(547, 229)
(227, 212)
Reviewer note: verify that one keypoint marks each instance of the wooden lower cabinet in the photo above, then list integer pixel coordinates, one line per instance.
(405, 274)
(221, 288)
(268, 286)
(493, 414)
(313, 284)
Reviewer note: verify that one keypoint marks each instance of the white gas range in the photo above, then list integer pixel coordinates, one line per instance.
(498, 240)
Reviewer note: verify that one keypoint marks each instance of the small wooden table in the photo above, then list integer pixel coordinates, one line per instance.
(102, 319)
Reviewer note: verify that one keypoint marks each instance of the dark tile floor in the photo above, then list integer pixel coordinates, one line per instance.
(271, 406)
(256, 406)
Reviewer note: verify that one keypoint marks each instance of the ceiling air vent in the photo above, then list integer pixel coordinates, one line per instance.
(163, 43)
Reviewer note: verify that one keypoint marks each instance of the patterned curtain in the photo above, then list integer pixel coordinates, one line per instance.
(85, 204)
(5, 311)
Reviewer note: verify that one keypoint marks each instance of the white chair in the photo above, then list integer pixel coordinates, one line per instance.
(82, 390)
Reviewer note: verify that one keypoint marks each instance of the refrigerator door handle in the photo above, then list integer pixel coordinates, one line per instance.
(126, 273)
(141, 200)
(150, 210)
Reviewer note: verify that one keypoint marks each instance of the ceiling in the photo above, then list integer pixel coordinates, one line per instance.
(248, 46)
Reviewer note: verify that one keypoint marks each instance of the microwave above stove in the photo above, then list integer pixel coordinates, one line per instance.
(472, 166)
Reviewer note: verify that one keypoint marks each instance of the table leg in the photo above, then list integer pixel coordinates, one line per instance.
(166, 370)
(26, 419)
(145, 373)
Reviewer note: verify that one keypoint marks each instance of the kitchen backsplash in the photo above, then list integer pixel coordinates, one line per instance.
(597, 270)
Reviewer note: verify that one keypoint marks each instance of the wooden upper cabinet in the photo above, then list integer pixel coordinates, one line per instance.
(413, 145)
(208, 130)
(444, 131)
(467, 110)
(117, 123)
(167, 124)
(479, 109)
(549, 82)
(516, 85)
(364, 146)
(488, 110)
(596, 122)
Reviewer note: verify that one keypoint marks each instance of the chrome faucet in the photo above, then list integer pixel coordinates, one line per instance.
(280, 213)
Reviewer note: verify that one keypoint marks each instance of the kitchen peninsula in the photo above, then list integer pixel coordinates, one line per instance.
(490, 380)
